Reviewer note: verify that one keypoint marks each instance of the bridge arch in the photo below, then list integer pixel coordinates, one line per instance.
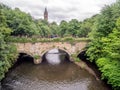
(24, 57)
(63, 49)
(26, 52)
(82, 55)
(60, 51)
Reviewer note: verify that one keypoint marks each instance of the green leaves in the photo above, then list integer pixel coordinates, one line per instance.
(105, 46)
(8, 52)
(22, 24)
(110, 70)
(8, 55)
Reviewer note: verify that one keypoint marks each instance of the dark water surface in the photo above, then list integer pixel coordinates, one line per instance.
(67, 76)
(64, 76)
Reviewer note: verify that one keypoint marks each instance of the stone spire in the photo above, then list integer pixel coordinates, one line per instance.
(46, 14)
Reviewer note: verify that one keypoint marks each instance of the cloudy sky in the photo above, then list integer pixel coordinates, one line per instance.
(60, 9)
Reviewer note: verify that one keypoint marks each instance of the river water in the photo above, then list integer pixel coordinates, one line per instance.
(51, 75)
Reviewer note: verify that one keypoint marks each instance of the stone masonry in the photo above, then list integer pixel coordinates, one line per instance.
(39, 49)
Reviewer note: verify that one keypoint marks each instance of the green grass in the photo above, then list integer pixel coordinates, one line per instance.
(36, 57)
(35, 40)
(75, 58)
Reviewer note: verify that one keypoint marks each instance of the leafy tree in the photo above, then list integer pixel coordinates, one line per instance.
(7, 52)
(63, 28)
(54, 28)
(73, 27)
(104, 49)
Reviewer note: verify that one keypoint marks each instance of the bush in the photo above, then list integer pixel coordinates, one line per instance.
(110, 70)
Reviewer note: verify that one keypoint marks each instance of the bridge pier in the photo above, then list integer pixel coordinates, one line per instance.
(37, 61)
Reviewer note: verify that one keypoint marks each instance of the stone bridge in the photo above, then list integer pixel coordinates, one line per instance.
(37, 50)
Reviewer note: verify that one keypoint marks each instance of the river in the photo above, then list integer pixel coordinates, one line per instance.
(51, 75)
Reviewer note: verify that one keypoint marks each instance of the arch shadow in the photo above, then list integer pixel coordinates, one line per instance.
(24, 57)
(82, 55)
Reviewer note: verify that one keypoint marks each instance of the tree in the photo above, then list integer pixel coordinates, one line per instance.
(63, 28)
(3, 26)
(73, 27)
(8, 53)
(104, 48)
(54, 28)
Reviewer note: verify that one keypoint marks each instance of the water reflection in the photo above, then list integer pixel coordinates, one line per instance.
(52, 58)
(48, 77)
(55, 56)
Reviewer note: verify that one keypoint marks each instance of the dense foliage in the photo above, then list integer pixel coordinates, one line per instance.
(7, 50)
(23, 24)
(104, 49)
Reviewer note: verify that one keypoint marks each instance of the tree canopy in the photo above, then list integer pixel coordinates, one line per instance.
(23, 24)
(104, 48)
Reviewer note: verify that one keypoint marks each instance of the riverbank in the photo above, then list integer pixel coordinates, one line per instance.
(0, 86)
(83, 65)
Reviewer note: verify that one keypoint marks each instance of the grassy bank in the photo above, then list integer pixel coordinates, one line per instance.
(35, 39)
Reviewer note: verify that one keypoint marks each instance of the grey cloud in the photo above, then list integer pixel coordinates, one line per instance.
(60, 9)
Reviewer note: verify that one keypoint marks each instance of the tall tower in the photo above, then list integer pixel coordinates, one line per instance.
(46, 14)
